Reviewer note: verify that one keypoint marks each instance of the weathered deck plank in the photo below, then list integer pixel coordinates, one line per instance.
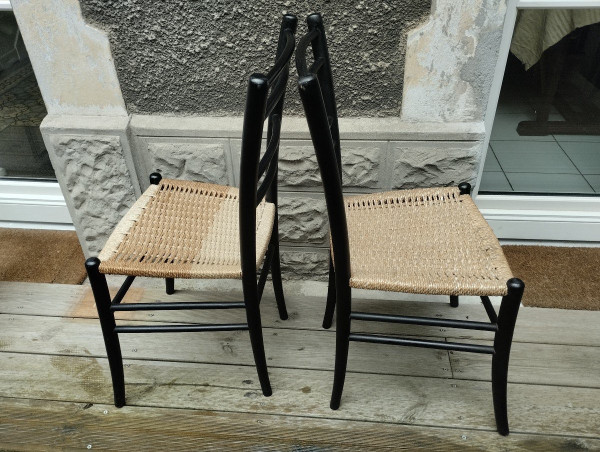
(367, 397)
(549, 326)
(200, 390)
(564, 365)
(536, 364)
(284, 347)
(39, 425)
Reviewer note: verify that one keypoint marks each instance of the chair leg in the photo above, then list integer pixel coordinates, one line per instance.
(342, 343)
(454, 301)
(502, 342)
(330, 307)
(256, 339)
(170, 283)
(276, 277)
(107, 323)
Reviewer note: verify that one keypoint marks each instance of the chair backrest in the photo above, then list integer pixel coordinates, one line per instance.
(264, 101)
(315, 84)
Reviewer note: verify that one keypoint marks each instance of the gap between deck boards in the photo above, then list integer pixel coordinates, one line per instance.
(534, 325)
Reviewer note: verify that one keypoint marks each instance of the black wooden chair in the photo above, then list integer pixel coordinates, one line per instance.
(186, 229)
(428, 241)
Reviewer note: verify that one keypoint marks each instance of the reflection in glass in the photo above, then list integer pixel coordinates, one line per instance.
(546, 133)
(22, 150)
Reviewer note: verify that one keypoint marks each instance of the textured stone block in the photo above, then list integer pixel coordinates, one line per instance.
(298, 166)
(92, 169)
(302, 219)
(305, 265)
(360, 165)
(204, 162)
(430, 164)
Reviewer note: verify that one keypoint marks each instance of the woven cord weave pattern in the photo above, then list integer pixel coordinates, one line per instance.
(184, 229)
(427, 241)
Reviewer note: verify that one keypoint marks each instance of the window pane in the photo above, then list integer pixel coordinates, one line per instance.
(22, 150)
(546, 133)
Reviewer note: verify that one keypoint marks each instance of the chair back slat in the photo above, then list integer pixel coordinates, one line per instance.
(320, 50)
(264, 101)
(301, 48)
(316, 91)
(318, 124)
(272, 147)
(285, 50)
(276, 95)
(264, 187)
(317, 65)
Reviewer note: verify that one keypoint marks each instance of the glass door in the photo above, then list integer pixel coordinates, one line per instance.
(542, 167)
(546, 133)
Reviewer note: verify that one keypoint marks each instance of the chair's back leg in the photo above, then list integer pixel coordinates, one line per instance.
(276, 260)
(330, 307)
(107, 323)
(256, 337)
(170, 283)
(289, 23)
(276, 275)
(502, 342)
(342, 343)
(454, 301)
(256, 101)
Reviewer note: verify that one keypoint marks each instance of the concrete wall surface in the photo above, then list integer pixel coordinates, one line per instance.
(72, 61)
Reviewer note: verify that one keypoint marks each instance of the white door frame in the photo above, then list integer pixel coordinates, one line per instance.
(569, 219)
(33, 205)
(30, 203)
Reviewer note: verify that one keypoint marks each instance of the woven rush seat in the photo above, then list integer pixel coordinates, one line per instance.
(184, 229)
(426, 241)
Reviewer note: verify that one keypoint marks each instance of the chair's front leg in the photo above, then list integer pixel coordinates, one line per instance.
(454, 301)
(502, 343)
(330, 307)
(107, 323)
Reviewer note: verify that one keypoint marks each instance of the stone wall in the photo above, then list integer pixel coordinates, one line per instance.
(91, 157)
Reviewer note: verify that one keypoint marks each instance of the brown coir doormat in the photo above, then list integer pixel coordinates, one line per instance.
(34, 255)
(557, 277)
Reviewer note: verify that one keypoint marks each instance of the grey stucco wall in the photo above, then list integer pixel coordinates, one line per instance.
(194, 57)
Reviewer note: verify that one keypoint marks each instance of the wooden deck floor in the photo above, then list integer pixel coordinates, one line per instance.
(199, 390)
